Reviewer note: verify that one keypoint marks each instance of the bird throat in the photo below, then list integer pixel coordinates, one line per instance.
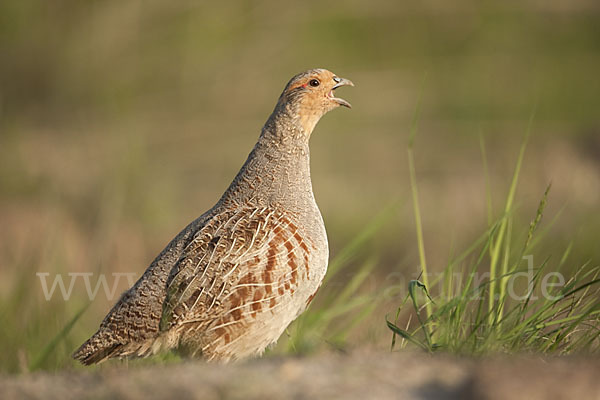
(308, 120)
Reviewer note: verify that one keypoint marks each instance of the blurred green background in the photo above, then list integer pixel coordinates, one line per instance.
(120, 122)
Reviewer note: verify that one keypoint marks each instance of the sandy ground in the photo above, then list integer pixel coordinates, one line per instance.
(355, 376)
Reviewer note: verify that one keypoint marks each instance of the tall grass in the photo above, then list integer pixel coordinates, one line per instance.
(415, 192)
(35, 334)
(470, 315)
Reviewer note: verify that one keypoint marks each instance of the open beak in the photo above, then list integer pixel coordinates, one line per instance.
(340, 82)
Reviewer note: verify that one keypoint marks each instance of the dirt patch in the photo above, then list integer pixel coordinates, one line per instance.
(356, 376)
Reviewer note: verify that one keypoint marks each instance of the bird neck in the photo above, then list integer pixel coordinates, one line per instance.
(277, 171)
(290, 124)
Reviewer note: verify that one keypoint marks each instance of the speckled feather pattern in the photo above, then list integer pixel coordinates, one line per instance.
(228, 285)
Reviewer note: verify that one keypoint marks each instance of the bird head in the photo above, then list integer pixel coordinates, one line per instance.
(311, 95)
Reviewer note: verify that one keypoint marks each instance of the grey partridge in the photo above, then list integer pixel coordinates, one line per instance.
(227, 286)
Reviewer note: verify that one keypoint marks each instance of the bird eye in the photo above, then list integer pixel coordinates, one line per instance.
(314, 82)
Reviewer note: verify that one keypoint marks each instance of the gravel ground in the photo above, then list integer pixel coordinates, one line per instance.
(356, 376)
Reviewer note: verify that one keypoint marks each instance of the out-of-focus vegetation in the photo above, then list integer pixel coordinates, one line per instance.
(122, 121)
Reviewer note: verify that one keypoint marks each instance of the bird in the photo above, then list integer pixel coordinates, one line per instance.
(228, 285)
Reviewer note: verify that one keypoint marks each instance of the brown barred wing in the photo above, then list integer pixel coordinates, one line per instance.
(241, 263)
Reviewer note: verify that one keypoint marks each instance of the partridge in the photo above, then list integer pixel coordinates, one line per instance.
(227, 286)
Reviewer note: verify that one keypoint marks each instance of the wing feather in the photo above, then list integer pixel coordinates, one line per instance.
(240, 262)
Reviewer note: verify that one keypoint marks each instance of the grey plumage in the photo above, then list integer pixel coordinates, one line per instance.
(229, 284)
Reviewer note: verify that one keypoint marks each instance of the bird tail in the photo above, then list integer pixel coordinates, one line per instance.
(103, 346)
(97, 349)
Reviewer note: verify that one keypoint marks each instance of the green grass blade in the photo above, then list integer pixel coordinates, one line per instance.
(60, 336)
